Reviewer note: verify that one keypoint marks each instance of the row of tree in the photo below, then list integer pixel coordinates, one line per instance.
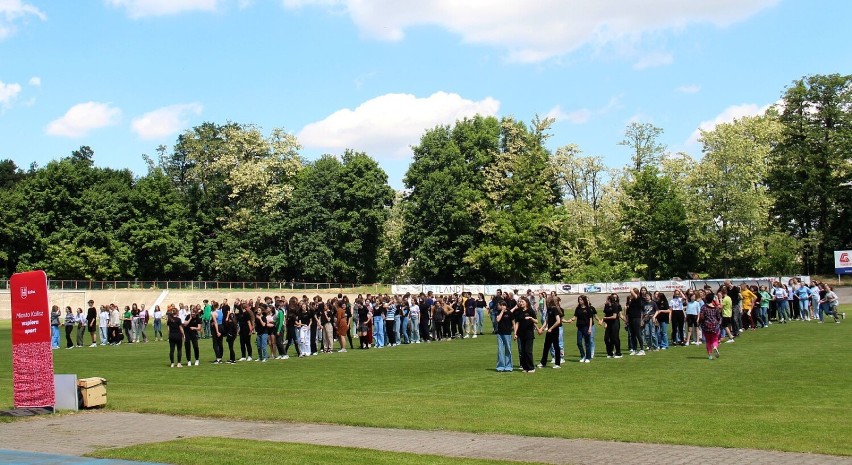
(485, 201)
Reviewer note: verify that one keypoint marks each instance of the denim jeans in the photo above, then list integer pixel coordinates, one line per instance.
(205, 328)
(561, 344)
(764, 316)
(805, 312)
(397, 327)
(262, 346)
(403, 331)
(592, 339)
(104, 334)
(584, 338)
(493, 321)
(415, 328)
(379, 331)
(54, 336)
(662, 335)
(480, 313)
(649, 334)
(504, 352)
(783, 309)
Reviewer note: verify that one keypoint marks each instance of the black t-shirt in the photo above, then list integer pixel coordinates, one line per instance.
(663, 305)
(734, 294)
(506, 323)
(326, 316)
(230, 328)
(225, 309)
(634, 308)
(260, 325)
(292, 318)
(552, 313)
(174, 325)
(526, 323)
(91, 315)
(584, 316)
(244, 317)
(612, 309)
(511, 303)
(192, 323)
(649, 308)
(305, 317)
(363, 313)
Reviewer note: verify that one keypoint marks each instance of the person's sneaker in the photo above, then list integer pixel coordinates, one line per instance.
(180, 366)
(264, 360)
(474, 336)
(632, 352)
(231, 362)
(216, 362)
(248, 359)
(616, 356)
(557, 366)
(587, 361)
(196, 362)
(243, 359)
(729, 341)
(531, 371)
(709, 357)
(540, 365)
(609, 356)
(93, 345)
(285, 357)
(716, 352)
(341, 351)
(172, 365)
(641, 352)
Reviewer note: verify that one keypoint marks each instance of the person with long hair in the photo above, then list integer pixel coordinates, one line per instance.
(342, 325)
(230, 330)
(127, 324)
(327, 325)
(634, 322)
(304, 326)
(661, 321)
(379, 310)
(525, 326)
(158, 323)
(552, 323)
(70, 321)
(92, 322)
(678, 317)
(727, 313)
(693, 309)
(480, 313)
(584, 316)
(192, 328)
(710, 320)
(292, 327)
(176, 336)
(217, 333)
(505, 327)
(612, 322)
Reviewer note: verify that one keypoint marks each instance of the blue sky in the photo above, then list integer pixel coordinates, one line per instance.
(124, 76)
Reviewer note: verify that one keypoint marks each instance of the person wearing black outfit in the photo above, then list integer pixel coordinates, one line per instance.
(292, 317)
(612, 320)
(176, 336)
(315, 312)
(526, 324)
(92, 322)
(553, 321)
(192, 326)
(584, 316)
(245, 318)
(217, 332)
(634, 320)
(364, 316)
(230, 332)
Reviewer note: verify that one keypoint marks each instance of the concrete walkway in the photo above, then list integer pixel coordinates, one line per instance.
(77, 434)
(13, 457)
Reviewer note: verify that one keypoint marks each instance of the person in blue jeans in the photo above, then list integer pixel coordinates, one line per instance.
(55, 315)
(379, 311)
(505, 328)
(405, 310)
(649, 309)
(584, 316)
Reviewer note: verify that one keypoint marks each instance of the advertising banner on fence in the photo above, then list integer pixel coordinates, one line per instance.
(32, 360)
(843, 262)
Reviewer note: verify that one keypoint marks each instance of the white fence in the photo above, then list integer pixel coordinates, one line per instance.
(582, 288)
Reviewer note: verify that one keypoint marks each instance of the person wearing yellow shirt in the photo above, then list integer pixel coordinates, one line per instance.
(748, 296)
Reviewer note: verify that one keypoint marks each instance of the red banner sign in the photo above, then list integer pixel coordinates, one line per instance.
(32, 360)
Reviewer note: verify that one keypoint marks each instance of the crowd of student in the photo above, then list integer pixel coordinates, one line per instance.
(312, 326)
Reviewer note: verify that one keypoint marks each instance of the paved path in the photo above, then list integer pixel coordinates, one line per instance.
(13, 457)
(77, 434)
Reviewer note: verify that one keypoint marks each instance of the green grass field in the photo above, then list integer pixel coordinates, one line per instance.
(784, 388)
(218, 451)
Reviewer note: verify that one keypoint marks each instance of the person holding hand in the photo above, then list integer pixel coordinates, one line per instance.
(553, 321)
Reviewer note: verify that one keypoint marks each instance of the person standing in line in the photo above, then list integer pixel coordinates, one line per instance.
(158, 323)
(327, 325)
(280, 328)
(390, 325)
(678, 317)
(103, 325)
(81, 326)
(505, 328)
(291, 321)
(364, 317)
(470, 317)
(584, 315)
(661, 321)
(127, 324)
(710, 319)
(55, 316)
(526, 324)
(693, 308)
(492, 309)
(206, 317)
(342, 325)
(144, 317)
(92, 322)
(634, 322)
(115, 325)
(230, 330)
(70, 321)
(263, 324)
(378, 325)
(552, 323)
(649, 309)
(176, 336)
(245, 318)
(612, 322)
(736, 307)
(192, 328)
(414, 314)
(748, 297)
(480, 313)
(314, 311)
(217, 319)
(304, 326)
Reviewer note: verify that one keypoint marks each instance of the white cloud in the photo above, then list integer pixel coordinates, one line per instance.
(653, 59)
(386, 126)
(141, 8)
(80, 119)
(35, 81)
(11, 11)
(728, 115)
(577, 116)
(538, 30)
(688, 89)
(164, 121)
(8, 93)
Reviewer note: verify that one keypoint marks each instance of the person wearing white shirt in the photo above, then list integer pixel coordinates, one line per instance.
(158, 323)
(103, 325)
